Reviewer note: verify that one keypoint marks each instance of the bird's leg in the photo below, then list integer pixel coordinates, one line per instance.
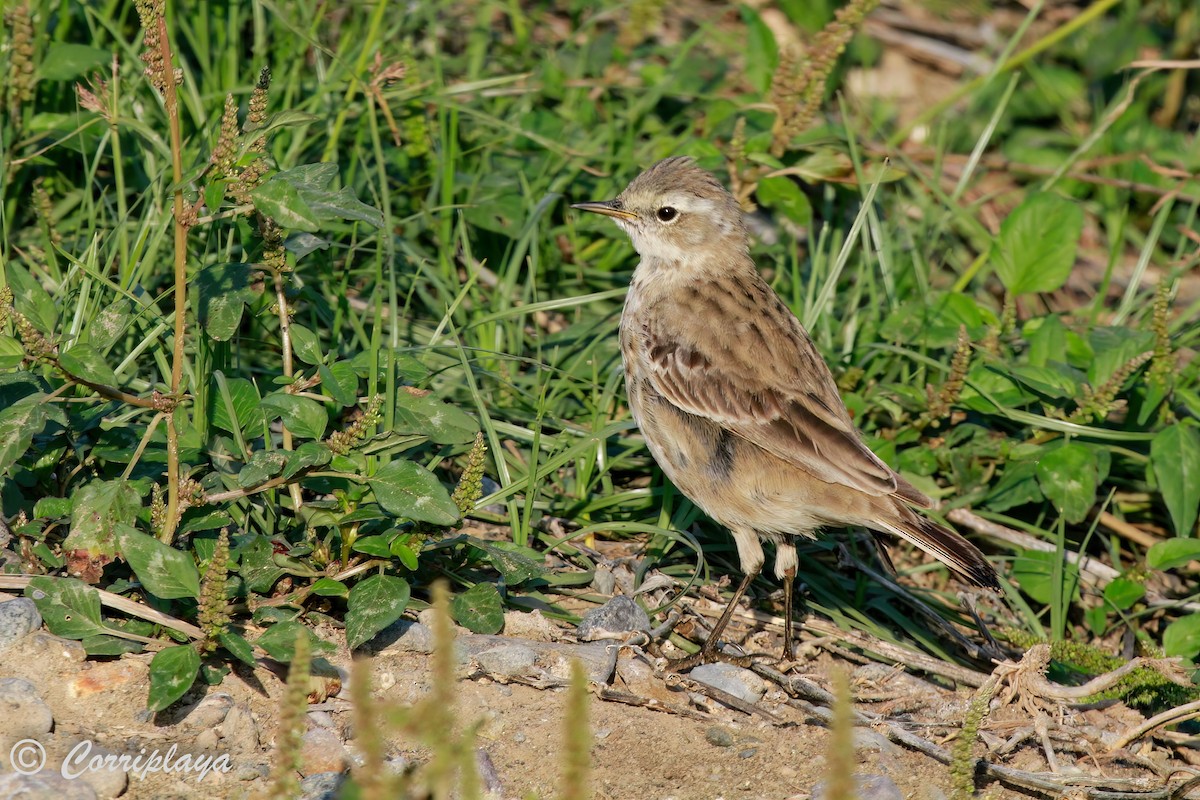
(709, 653)
(789, 576)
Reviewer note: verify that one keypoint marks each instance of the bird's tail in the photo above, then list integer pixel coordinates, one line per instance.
(945, 545)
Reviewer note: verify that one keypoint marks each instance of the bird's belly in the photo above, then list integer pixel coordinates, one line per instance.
(731, 480)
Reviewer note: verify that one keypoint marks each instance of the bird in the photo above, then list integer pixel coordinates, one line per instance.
(735, 402)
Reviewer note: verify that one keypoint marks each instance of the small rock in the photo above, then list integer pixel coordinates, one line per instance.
(404, 636)
(741, 683)
(321, 719)
(106, 783)
(104, 677)
(749, 752)
(209, 712)
(870, 787)
(507, 661)
(25, 714)
(603, 580)
(239, 732)
(45, 785)
(867, 739)
(613, 619)
(321, 750)
(530, 625)
(208, 739)
(719, 736)
(41, 646)
(322, 786)
(17, 618)
(602, 733)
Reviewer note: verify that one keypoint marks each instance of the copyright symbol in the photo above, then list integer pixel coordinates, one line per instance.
(27, 757)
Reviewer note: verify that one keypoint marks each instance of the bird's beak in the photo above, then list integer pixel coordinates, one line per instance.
(608, 208)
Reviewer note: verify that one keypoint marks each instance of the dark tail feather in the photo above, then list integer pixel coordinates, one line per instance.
(946, 546)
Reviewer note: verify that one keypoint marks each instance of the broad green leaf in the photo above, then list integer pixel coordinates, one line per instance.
(234, 405)
(340, 381)
(377, 546)
(785, 196)
(238, 646)
(1044, 380)
(306, 345)
(1047, 338)
(1175, 456)
(280, 201)
(30, 298)
(172, 672)
(11, 352)
(85, 362)
(104, 645)
(761, 51)
(69, 607)
(309, 454)
(441, 422)
(108, 326)
(303, 416)
(479, 609)
(279, 641)
(1182, 637)
(19, 423)
(262, 466)
(1113, 348)
(100, 507)
(517, 564)
(1068, 477)
(328, 587)
(165, 571)
(1036, 247)
(257, 565)
(374, 603)
(64, 61)
(1016, 487)
(1123, 593)
(406, 489)
(1034, 570)
(222, 292)
(1173, 553)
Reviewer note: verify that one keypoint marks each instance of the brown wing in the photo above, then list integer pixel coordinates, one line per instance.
(763, 380)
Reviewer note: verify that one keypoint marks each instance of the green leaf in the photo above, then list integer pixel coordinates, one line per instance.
(11, 353)
(306, 345)
(374, 603)
(279, 641)
(256, 561)
(242, 396)
(303, 416)
(223, 290)
(517, 564)
(1123, 593)
(1175, 456)
(761, 51)
(165, 571)
(1036, 247)
(1016, 487)
(1034, 570)
(785, 196)
(1182, 637)
(69, 607)
(100, 507)
(406, 489)
(172, 672)
(441, 422)
(238, 647)
(340, 381)
(19, 423)
(1173, 553)
(262, 466)
(105, 645)
(479, 609)
(108, 326)
(280, 201)
(1068, 477)
(30, 298)
(309, 454)
(85, 362)
(63, 61)
(328, 587)
(377, 546)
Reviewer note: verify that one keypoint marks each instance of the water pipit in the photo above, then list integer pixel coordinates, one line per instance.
(736, 404)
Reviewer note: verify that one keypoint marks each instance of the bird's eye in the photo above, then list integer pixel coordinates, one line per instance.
(666, 214)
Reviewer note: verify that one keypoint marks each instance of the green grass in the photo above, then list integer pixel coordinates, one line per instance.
(463, 272)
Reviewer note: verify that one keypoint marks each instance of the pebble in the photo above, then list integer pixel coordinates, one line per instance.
(603, 580)
(618, 616)
(41, 647)
(749, 752)
(209, 712)
(507, 661)
(870, 787)
(25, 714)
(867, 739)
(530, 625)
(322, 786)
(107, 784)
(44, 786)
(720, 736)
(17, 618)
(238, 731)
(403, 636)
(322, 750)
(741, 683)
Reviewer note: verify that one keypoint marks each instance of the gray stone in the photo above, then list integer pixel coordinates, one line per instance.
(603, 580)
(612, 620)
(322, 750)
(17, 618)
(870, 787)
(507, 661)
(741, 683)
(44, 786)
(25, 715)
(719, 736)
(322, 786)
(553, 658)
(239, 732)
(867, 739)
(404, 636)
(209, 712)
